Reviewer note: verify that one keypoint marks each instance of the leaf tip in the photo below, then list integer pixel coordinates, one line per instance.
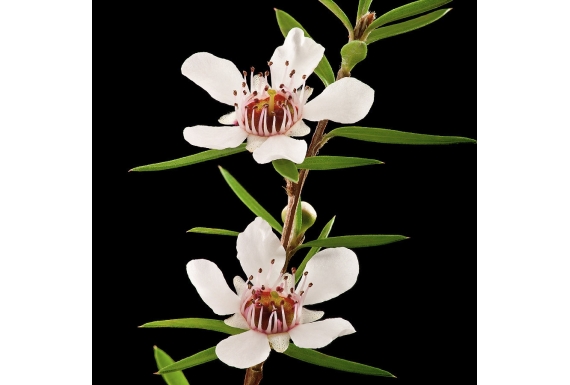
(154, 347)
(275, 9)
(158, 373)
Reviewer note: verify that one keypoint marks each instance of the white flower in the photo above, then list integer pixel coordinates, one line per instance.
(269, 114)
(267, 303)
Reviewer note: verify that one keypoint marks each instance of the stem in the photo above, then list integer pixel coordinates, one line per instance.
(294, 189)
(253, 375)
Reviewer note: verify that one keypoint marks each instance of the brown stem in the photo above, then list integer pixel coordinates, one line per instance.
(253, 375)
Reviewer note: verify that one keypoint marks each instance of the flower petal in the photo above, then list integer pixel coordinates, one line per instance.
(229, 119)
(308, 315)
(237, 321)
(299, 129)
(219, 77)
(303, 55)
(240, 285)
(281, 147)
(321, 333)
(256, 247)
(217, 138)
(243, 350)
(332, 272)
(279, 342)
(209, 281)
(345, 101)
(254, 141)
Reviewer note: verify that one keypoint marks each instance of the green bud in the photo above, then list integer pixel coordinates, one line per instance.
(309, 216)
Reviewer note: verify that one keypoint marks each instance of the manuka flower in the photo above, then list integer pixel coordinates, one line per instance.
(267, 303)
(269, 114)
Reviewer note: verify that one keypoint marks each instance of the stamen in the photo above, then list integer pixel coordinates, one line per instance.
(260, 318)
(281, 85)
(269, 63)
(285, 327)
(292, 73)
(243, 83)
(235, 93)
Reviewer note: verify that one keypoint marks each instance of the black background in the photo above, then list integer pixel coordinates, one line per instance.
(413, 304)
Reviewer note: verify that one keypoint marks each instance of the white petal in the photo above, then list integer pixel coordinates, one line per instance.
(299, 129)
(254, 141)
(308, 316)
(240, 285)
(345, 101)
(243, 350)
(209, 281)
(303, 55)
(279, 342)
(229, 119)
(281, 147)
(237, 321)
(219, 77)
(321, 333)
(256, 247)
(217, 138)
(332, 272)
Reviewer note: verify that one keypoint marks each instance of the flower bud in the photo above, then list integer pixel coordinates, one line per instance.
(309, 216)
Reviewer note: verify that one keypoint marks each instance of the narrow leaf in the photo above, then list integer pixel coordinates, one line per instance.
(249, 201)
(314, 250)
(207, 230)
(406, 26)
(363, 7)
(287, 169)
(316, 358)
(407, 10)
(192, 159)
(286, 23)
(353, 53)
(334, 8)
(194, 323)
(163, 360)
(298, 220)
(382, 135)
(354, 241)
(335, 162)
(188, 362)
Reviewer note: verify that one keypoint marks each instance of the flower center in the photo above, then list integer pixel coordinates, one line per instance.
(270, 115)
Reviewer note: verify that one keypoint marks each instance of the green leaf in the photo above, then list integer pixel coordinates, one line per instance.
(192, 159)
(334, 8)
(406, 26)
(404, 11)
(287, 169)
(298, 220)
(363, 7)
(286, 23)
(194, 323)
(163, 360)
(335, 162)
(188, 362)
(314, 250)
(207, 230)
(353, 53)
(354, 241)
(249, 201)
(382, 135)
(316, 358)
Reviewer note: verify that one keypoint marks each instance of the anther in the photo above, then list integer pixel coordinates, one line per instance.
(235, 104)
(292, 73)
(266, 88)
(311, 284)
(290, 97)
(262, 287)
(253, 291)
(244, 92)
(302, 292)
(252, 69)
(285, 277)
(289, 296)
(293, 270)
(272, 261)
(294, 90)
(249, 285)
(251, 277)
(281, 85)
(286, 62)
(304, 77)
(235, 93)
(260, 270)
(283, 90)
(266, 73)
(254, 93)
(282, 302)
(269, 63)
(305, 273)
(243, 84)
(244, 74)
(292, 290)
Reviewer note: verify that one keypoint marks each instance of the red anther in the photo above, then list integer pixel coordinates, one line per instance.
(243, 84)
(292, 73)
(260, 270)
(305, 273)
(266, 88)
(235, 93)
(254, 93)
(286, 62)
(304, 77)
(262, 287)
(282, 302)
(294, 90)
(311, 284)
(286, 277)
(291, 290)
(272, 261)
(251, 277)
(281, 85)
(279, 289)
(244, 92)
